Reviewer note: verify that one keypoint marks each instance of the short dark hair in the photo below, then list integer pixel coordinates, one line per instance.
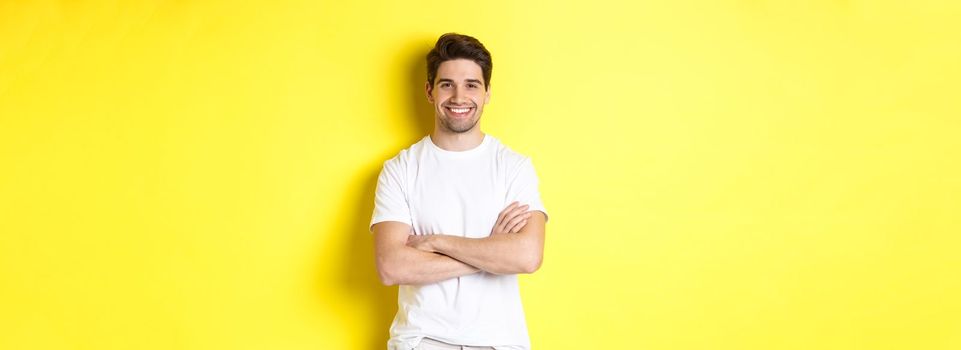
(452, 46)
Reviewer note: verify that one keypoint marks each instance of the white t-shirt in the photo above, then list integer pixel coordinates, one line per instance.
(436, 191)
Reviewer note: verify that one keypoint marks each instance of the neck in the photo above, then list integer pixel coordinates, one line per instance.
(456, 142)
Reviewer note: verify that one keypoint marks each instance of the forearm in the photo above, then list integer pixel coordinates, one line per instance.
(415, 267)
(499, 254)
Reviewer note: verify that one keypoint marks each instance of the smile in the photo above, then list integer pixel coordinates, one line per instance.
(459, 111)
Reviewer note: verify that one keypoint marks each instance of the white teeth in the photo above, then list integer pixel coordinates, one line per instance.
(459, 110)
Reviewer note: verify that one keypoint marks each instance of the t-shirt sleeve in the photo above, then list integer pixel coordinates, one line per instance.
(523, 187)
(390, 199)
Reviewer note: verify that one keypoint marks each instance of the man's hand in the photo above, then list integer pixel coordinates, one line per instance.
(515, 245)
(512, 219)
(421, 242)
(399, 264)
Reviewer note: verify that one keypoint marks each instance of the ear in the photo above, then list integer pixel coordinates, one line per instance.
(487, 96)
(427, 89)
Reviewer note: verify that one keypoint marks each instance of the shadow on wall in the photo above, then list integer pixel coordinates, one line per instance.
(421, 111)
(359, 272)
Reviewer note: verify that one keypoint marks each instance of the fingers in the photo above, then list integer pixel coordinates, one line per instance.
(518, 222)
(507, 210)
(520, 225)
(514, 213)
(500, 217)
(512, 219)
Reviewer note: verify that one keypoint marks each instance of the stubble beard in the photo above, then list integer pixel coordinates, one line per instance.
(458, 127)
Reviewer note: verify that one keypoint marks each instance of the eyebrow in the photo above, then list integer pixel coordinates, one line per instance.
(468, 80)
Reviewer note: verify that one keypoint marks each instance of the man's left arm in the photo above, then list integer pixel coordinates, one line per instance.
(504, 253)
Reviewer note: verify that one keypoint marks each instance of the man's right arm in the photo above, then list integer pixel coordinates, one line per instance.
(398, 263)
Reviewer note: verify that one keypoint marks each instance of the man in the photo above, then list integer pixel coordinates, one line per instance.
(457, 216)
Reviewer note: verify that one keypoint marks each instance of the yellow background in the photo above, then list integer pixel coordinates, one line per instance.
(720, 175)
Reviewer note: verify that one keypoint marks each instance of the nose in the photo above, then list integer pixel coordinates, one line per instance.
(458, 96)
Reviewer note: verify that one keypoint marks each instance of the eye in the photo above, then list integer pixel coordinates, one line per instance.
(444, 85)
(472, 85)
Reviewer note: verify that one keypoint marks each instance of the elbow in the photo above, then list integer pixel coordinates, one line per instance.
(532, 264)
(533, 258)
(386, 279)
(386, 274)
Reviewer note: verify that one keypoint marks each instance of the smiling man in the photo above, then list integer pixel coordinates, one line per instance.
(457, 216)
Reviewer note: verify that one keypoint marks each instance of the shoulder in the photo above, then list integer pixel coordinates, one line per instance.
(405, 157)
(507, 155)
(510, 159)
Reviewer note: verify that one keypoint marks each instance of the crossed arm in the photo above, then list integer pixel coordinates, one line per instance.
(516, 245)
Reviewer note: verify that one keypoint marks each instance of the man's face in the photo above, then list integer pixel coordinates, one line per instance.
(458, 95)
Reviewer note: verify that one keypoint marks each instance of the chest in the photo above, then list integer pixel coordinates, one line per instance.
(461, 198)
